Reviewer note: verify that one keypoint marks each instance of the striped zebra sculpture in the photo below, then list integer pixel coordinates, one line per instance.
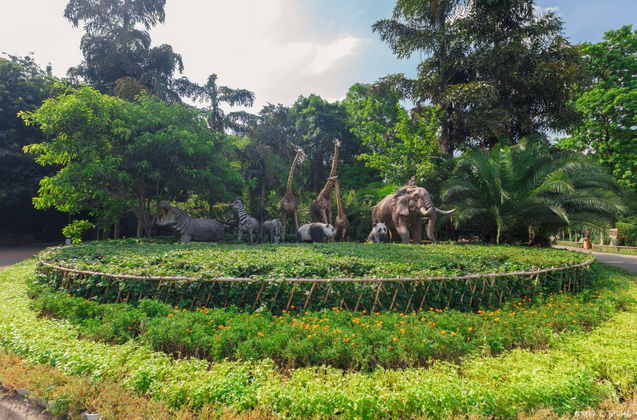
(246, 223)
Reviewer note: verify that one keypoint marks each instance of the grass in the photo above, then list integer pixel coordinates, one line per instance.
(575, 372)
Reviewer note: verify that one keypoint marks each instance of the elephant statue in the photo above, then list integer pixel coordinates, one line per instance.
(405, 208)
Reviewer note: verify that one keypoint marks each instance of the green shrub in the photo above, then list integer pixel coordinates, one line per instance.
(335, 337)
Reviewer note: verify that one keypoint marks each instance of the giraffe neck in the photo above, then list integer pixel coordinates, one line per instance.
(339, 203)
(288, 189)
(335, 161)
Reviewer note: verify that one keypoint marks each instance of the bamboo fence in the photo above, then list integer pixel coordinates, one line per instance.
(377, 288)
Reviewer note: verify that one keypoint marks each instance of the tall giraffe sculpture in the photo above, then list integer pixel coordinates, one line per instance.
(321, 208)
(288, 203)
(341, 223)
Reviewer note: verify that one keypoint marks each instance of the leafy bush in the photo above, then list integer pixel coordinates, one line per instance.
(334, 337)
(203, 262)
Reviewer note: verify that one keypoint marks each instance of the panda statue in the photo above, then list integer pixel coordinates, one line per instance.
(379, 234)
(315, 232)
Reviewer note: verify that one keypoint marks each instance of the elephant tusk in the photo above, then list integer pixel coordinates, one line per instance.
(425, 212)
(444, 211)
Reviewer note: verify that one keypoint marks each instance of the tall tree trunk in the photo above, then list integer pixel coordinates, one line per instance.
(116, 228)
(211, 205)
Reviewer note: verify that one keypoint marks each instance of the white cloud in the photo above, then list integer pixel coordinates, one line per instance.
(327, 56)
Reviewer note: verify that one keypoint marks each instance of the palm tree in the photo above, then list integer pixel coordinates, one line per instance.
(531, 188)
(214, 94)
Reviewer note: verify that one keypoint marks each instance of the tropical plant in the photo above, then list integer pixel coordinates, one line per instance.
(214, 95)
(76, 228)
(531, 189)
(118, 58)
(493, 68)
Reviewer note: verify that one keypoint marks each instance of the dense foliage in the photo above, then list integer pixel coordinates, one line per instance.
(493, 68)
(335, 337)
(531, 190)
(608, 103)
(575, 372)
(116, 155)
(118, 57)
(204, 263)
(332, 260)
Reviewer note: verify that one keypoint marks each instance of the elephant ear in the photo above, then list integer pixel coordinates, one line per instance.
(401, 202)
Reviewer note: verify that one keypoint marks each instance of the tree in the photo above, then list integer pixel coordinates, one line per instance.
(118, 58)
(23, 87)
(529, 188)
(215, 95)
(269, 141)
(397, 145)
(494, 68)
(522, 75)
(316, 123)
(132, 154)
(608, 103)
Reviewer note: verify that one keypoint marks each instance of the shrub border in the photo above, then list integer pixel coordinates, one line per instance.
(82, 281)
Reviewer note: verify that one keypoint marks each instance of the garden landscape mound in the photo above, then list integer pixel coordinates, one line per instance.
(359, 277)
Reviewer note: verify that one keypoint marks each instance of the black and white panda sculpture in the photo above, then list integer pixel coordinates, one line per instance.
(315, 232)
(379, 234)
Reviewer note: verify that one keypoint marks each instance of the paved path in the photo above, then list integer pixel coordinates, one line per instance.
(12, 255)
(625, 262)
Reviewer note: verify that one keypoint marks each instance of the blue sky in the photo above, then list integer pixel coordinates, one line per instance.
(279, 49)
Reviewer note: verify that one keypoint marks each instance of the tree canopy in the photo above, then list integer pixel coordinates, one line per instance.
(495, 69)
(115, 154)
(118, 58)
(608, 103)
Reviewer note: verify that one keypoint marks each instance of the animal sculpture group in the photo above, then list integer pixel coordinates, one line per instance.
(392, 217)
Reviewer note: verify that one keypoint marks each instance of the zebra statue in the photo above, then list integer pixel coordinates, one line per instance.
(274, 228)
(246, 223)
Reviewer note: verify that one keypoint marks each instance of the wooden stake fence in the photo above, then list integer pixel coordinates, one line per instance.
(466, 286)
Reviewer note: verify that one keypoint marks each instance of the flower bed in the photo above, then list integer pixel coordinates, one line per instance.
(576, 372)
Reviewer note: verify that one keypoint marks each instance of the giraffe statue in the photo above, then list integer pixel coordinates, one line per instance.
(341, 224)
(321, 208)
(288, 203)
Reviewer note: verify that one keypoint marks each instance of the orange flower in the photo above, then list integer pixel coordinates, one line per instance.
(496, 319)
(470, 328)
(260, 334)
(68, 295)
(444, 332)
(292, 307)
(391, 347)
(453, 334)
(395, 338)
(170, 315)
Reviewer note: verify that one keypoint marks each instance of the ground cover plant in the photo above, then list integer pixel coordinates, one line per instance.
(202, 263)
(335, 337)
(576, 371)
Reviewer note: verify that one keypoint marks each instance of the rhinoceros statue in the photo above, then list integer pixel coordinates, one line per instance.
(202, 230)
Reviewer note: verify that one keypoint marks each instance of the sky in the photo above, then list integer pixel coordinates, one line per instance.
(279, 49)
